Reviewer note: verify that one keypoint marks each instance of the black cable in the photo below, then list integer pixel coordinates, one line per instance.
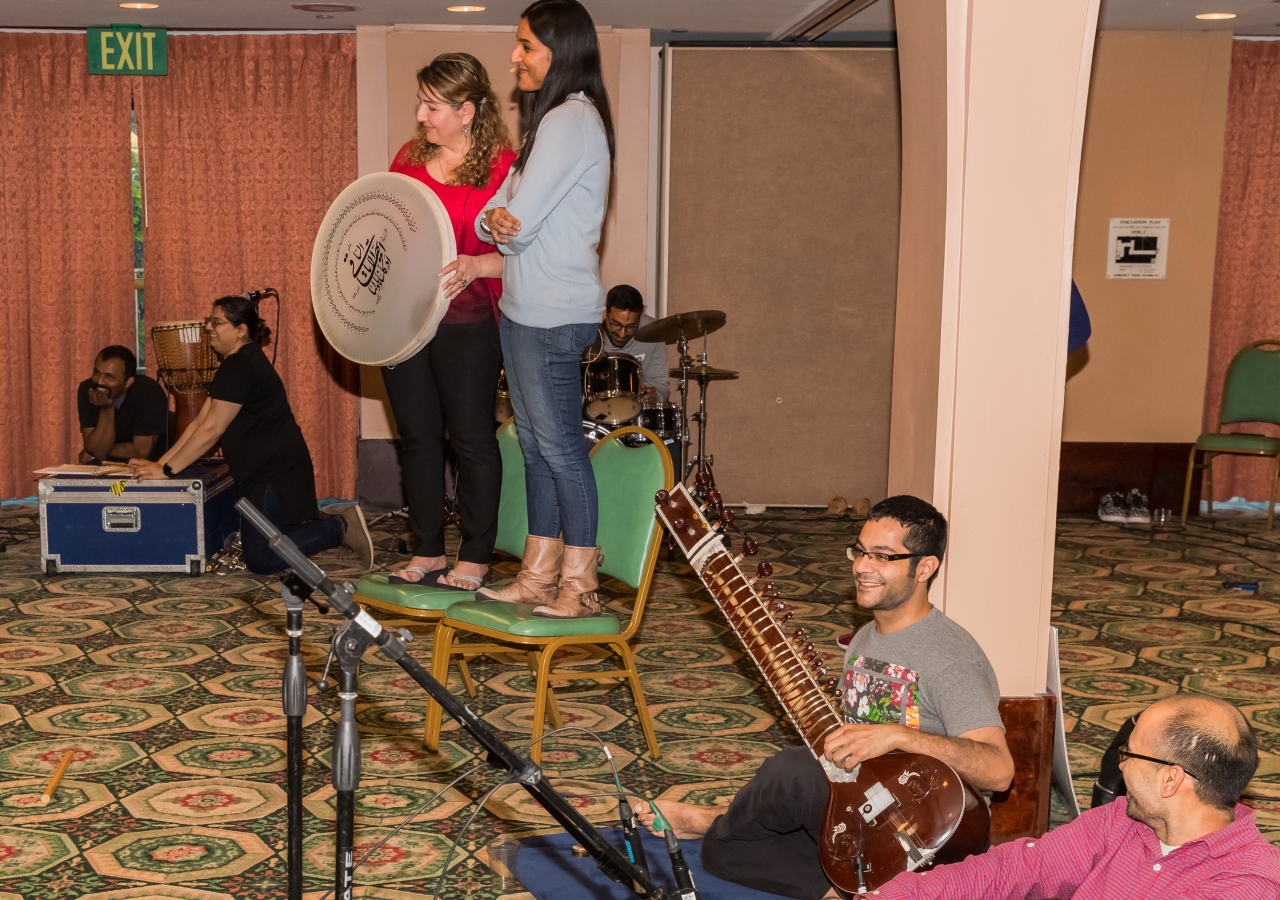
(444, 870)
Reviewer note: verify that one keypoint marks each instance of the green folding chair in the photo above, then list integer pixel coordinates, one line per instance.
(1250, 393)
(429, 602)
(629, 536)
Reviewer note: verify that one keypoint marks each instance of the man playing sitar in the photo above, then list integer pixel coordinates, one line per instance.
(913, 680)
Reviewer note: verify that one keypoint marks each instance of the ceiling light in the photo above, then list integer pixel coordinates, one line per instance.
(139, 5)
(326, 7)
(1215, 15)
(465, 8)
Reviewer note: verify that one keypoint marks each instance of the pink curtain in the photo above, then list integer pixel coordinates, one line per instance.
(1246, 283)
(66, 242)
(245, 144)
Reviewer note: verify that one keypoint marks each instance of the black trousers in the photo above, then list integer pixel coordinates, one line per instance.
(450, 384)
(768, 838)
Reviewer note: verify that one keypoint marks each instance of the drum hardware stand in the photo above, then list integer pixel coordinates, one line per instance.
(294, 696)
(362, 631)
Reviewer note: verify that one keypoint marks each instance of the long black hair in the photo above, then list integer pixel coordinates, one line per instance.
(565, 27)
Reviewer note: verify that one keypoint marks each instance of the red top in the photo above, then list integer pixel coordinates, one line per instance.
(464, 202)
(1105, 855)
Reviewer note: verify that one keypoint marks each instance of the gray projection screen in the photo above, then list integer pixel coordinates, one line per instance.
(781, 192)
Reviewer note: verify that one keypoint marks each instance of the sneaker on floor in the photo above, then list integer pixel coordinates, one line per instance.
(1113, 508)
(1138, 513)
(357, 538)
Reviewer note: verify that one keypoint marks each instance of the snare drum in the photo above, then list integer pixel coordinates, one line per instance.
(612, 385)
(663, 419)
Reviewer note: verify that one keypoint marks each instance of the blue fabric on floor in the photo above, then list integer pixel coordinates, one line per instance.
(548, 869)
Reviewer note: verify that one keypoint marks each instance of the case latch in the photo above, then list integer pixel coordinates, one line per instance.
(121, 518)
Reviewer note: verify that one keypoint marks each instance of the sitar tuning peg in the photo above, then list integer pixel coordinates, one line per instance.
(661, 497)
(727, 516)
(749, 547)
(714, 498)
(764, 570)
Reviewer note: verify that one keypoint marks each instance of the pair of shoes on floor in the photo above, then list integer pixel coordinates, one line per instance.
(1125, 509)
(357, 539)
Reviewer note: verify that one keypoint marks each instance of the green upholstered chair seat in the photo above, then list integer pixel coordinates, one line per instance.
(518, 619)
(1238, 443)
(410, 596)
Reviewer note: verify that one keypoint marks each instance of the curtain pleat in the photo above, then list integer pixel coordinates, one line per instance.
(245, 144)
(66, 242)
(1246, 281)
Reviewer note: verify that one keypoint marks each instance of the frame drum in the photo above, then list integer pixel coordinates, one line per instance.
(375, 284)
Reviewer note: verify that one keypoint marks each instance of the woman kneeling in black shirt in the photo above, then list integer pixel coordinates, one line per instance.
(248, 411)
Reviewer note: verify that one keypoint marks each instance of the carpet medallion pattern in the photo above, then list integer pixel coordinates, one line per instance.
(166, 690)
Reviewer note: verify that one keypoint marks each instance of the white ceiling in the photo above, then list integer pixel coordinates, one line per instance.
(668, 19)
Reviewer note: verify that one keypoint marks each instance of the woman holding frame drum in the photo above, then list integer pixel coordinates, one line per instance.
(546, 220)
(462, 152)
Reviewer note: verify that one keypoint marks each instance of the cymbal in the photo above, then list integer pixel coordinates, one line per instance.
(691, 324)
(711, 373)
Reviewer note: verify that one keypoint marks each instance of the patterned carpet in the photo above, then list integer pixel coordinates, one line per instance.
(167, 689)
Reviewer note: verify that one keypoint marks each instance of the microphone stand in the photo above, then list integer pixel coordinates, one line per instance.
(362, 628)
(293, 690)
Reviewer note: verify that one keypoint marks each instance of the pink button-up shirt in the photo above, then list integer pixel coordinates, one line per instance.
(1105, 855)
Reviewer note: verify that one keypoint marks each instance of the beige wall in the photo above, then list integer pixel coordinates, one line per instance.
(1152, 148)
(1014, 87)
(386, 60)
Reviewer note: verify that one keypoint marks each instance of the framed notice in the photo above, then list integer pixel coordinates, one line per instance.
(1137, 248)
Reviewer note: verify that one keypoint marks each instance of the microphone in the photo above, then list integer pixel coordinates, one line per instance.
(685, 889)
(631, 834)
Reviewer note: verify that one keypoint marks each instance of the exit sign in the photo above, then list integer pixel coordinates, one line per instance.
(128, 50)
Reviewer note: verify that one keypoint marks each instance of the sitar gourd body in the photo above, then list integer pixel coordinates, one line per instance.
(895, 813)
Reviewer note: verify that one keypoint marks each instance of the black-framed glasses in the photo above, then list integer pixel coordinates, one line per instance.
(855, 552)
(1125, 753)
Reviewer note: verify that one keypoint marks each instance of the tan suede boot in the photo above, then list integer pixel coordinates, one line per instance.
(577, 595)
(539, 573)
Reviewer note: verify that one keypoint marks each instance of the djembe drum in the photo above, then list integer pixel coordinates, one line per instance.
(186, 364)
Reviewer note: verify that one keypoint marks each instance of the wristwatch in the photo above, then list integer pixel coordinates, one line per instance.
(168, 472)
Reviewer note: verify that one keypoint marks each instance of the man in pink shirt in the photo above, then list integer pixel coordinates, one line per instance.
(1180, 833)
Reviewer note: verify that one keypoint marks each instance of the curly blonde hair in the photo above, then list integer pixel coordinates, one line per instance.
(458, 78)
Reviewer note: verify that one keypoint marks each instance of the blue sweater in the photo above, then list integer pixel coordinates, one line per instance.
(551, 269)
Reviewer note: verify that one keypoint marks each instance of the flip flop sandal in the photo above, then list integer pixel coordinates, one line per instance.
(425, 577)
(479, 581)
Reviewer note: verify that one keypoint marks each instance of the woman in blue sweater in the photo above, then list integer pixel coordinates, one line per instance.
(546, 220)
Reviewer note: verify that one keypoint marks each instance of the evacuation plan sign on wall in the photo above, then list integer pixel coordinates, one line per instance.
(128, 50)
(1138, 248)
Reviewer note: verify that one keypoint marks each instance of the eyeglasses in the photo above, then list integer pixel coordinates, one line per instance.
(1125, 753)
(214, 322)
(855, 552)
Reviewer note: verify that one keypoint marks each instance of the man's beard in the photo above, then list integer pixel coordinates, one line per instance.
(1139, 813)
(891, 599)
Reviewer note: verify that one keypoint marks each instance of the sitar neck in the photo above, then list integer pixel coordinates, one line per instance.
(790, 664)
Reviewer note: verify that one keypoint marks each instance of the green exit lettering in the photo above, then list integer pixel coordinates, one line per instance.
(128, 50)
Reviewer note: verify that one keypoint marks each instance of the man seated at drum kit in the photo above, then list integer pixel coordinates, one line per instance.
(913, 680)
(123, 415)
(623, 315)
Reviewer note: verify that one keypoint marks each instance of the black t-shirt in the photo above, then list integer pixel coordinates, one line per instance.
(263, 444)
(144, 411)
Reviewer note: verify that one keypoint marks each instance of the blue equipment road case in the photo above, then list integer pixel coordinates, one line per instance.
(118, 525)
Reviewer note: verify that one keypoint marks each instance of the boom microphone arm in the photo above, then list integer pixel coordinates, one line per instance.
(611, 861)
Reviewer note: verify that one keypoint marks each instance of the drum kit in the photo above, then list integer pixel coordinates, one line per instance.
(613, 388)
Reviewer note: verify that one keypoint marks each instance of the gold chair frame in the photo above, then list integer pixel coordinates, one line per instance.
(541, 651)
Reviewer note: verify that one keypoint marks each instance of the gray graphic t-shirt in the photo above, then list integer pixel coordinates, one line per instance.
(931, 675)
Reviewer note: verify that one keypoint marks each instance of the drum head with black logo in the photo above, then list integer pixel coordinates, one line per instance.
(375, 269)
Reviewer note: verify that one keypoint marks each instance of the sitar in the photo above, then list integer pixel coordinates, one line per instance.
(896, 813)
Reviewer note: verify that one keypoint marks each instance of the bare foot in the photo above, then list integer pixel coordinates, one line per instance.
(472, 570)
(426, 563)
(686, 820)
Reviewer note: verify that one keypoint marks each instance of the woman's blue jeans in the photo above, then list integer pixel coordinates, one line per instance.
(545, 380)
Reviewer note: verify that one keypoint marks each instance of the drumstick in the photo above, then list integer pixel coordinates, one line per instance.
(57, 777)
